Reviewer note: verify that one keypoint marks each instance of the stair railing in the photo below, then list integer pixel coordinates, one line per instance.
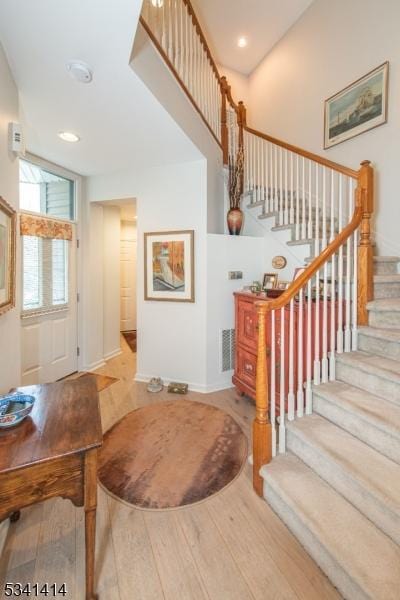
(315, 319)
(176, 32)
(325, 204)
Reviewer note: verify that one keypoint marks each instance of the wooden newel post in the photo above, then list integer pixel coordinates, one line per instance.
(224, 121)
(262, 451)
(365, 250)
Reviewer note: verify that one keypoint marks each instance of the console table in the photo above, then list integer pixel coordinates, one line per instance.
(54, 453)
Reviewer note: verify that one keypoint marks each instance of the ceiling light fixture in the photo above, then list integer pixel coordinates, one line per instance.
(80, 71)
(157, 3)
(242, 42)
(67, 136)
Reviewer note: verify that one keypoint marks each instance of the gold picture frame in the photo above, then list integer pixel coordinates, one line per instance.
(359, 107)
(8, 237)
(169, 266)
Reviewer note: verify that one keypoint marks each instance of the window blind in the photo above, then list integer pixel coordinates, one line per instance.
(45, 274)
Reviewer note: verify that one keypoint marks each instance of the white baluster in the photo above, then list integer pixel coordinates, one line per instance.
(286, 192)
(282, 410)
(347, 330)
(297, 197)
(332, 355)
(309, 345)
(309, 228)
(300, 349)
(273, 383)
(339, 337)
(324, 364)
(317, 221)
(317, 347)
(354, 333)
(276, 194)
(291, 211)
(304, 219)
(280, 187)
(291, 396)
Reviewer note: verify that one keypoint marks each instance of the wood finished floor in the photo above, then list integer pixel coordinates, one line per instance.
(231, 547)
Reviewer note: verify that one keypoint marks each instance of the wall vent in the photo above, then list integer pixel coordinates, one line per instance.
(227, 350)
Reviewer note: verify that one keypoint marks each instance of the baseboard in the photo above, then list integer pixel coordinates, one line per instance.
(193, 387)
(113, 354)
(93, 366)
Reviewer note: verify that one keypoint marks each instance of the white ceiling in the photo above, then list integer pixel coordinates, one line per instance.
(119, 121)
(262, 22)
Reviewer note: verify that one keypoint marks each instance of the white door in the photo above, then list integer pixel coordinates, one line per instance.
(49, 338)
(128, 284)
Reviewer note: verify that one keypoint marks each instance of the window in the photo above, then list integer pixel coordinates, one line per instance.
(46, 193)
(45, 274)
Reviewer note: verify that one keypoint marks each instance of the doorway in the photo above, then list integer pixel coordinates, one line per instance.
(48, 201)
(128, 258)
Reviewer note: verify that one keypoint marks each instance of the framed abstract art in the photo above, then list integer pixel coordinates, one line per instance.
(169, 266)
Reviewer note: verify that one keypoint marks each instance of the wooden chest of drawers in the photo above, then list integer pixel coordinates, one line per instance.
(246, 326)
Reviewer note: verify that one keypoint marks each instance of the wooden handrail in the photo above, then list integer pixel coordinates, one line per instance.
(314, 157)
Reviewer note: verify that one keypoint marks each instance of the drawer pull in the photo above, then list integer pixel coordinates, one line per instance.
(248, 367)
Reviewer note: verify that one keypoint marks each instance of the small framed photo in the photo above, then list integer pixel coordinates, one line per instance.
(8, 224)
(283, 285)
(270, 280)
(361, 106)
(169, 266)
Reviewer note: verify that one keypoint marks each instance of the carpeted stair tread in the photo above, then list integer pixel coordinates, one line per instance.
(390, 278)
(358, 558)
(380, 366)
(391, 335)
(361, 474)
(385, 305)
(366, 407)
(383, 259)
(376, 340)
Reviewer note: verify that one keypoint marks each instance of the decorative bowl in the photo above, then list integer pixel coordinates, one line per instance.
(14, 408)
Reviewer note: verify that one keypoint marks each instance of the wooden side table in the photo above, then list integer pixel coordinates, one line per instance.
(54, 453)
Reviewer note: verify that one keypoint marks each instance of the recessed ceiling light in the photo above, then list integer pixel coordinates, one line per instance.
(242, 42)
(67, 136)
(157, 3)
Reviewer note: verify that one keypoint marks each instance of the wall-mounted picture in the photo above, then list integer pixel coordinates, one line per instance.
(283, 285)
(8, 220)
(270, 280)
(169, 266)
(360, 107)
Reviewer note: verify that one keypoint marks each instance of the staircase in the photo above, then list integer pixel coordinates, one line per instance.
(338, 486)
(326, 436)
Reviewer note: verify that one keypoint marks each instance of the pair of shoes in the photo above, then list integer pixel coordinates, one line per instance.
(155, 384)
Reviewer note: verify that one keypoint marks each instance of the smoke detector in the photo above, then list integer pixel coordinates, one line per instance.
(80, 71)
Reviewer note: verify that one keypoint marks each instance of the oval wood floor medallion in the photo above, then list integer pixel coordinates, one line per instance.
(171, 454)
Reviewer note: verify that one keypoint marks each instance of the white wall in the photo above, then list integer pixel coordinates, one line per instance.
(129, 243)
(227, 253)
(172, 335)
(10, 353)
(111, 281)
(333, 44)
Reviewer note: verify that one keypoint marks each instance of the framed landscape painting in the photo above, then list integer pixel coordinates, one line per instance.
(360, 107)
(169, 266)
(8, 222)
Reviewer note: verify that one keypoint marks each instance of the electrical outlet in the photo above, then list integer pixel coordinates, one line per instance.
(235, 275)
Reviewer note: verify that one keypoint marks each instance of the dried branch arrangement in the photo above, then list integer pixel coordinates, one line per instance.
(235, 181)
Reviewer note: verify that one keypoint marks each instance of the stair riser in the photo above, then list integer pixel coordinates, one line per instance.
(385, 348)
(320, 553)
(386, 290)
(381, 440)
(368, 381)
(373, 507)
(385, 268)
(384, 319)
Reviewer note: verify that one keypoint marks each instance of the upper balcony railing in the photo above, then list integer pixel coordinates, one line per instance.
(327, 205)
